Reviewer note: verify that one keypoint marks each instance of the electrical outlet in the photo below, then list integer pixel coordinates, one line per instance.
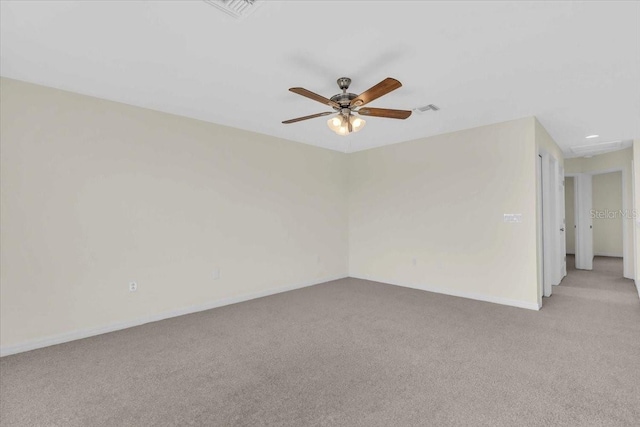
(133, 286)
(216, 273)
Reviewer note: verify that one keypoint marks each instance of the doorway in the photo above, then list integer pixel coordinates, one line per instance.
(607, 213)
(569, 204)
(595, 207)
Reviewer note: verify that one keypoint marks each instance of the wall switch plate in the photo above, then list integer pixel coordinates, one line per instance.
(512, 218)
(216, 273)
(133, 286)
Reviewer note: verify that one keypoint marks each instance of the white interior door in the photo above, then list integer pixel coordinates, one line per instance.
(548, 223)
(541, 226)
(552, 211)
(562, 256)
(584, 222)
(554, 248)
(636, 223)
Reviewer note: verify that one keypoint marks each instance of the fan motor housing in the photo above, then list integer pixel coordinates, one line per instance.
(344, 99)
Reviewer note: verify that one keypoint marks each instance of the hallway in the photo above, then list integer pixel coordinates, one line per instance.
(604, 284)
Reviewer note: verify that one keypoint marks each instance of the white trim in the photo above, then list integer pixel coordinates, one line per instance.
(635, 247)
(452, 292)
(575, 212)
(552, 237)
(90, 332)
(539, 229)
(547, 246)
(627, 262)
(562, 221)
(609, 254)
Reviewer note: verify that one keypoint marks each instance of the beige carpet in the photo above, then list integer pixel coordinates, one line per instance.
(351, 353)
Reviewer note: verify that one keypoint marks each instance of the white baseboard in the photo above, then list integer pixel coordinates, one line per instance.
(610, 254)
(469, 295)
(86, 333)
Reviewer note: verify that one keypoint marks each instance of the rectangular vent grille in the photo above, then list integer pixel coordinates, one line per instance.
(603, 147)
(236, 8)
(427, 108)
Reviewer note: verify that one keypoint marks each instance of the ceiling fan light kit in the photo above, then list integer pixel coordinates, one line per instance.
(348, 106)
(343, 126)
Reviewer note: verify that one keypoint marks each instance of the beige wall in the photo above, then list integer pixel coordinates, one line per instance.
(607, 223)
(96, 194)
(620, 159)
(441, 201)
(546, 143)
(616, 160)
(570, 214)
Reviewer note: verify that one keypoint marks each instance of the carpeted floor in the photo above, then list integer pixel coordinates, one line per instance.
(351, 353)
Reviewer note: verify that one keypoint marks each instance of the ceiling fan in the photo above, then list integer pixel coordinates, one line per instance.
(347, 105)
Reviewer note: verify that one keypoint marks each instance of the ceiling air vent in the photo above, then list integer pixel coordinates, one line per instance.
(603, 147)
(237, 8)
(427, 108)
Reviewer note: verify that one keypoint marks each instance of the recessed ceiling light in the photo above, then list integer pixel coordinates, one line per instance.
(592, 136)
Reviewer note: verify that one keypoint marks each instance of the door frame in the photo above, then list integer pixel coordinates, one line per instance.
(626, 262)
(636, 221)
(540, 226)
(575, 210)
(562, 221)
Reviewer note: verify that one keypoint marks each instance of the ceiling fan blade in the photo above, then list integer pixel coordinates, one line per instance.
(314, 96)
(313, 116)
(384, 112)
(375, 92)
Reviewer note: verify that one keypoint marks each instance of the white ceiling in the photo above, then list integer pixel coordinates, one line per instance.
(574, 65)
